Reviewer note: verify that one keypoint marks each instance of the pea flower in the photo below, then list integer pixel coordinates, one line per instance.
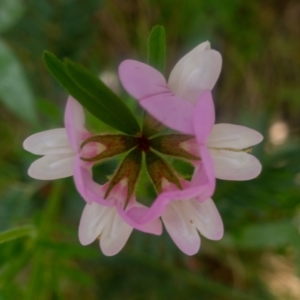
(62, 149)
(200, 187)
(185, 104)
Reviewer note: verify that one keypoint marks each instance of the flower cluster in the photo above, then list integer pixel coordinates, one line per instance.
(178, 123)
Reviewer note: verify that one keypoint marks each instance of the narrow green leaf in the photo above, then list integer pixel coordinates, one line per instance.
(16, 233)
(157, 48)
(87, 89)
(114, 109)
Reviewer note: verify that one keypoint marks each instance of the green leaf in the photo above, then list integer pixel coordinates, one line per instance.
(157, 48)
(16, 233)
(10, 12)
(93, 94)
(15, 93)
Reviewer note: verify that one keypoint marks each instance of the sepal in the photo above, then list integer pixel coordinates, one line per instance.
(129, 170)
(171, 145)
(159, 170)
(109, 145)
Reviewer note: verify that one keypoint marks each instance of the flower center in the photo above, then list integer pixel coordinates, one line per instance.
(143, 143)
(161, 156)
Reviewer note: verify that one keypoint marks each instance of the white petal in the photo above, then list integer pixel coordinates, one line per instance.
(233, 136)
(54, 141)
(115, 235)
(93, 220)
(52, 167)
(196, 72)
(231, 165)
(206, 218)
(180, 229)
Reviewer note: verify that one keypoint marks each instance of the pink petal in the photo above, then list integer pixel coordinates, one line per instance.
(233, 136)
(138, 210)
(51, 167)
(204, 117)
(74, 123)
(230, 165)
(140, 80)
(149, 87)
(196, 72)
(89, 190)
(206, 218)
(170, 110)
(182, 232)
(54, 141)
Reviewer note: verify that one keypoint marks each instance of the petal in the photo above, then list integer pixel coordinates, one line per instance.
(204, 117)
(206, 218)
(180, 229)
(196, 72)
(140, 80)
(115, 235)
(51, 167)
(233, 136)
(230, 165)
(170, 110)
(54, 141)
(74, 123)
(88, 189)
(133, 214)
(93, 220)
(149, 87)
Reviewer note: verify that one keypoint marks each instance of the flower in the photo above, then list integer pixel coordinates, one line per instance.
(201, 186)
(62, 149)
(185, 104)
(173, 103)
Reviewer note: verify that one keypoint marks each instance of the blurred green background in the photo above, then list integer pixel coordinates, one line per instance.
(259, 256)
